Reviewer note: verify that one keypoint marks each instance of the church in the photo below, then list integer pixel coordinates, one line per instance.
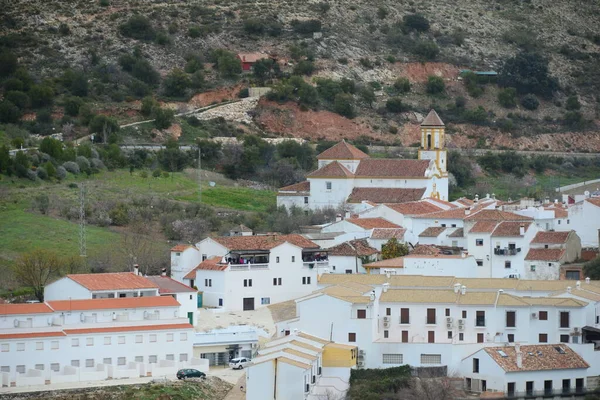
(348, 177)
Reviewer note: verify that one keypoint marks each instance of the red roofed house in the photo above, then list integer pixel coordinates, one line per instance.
(549, 251)
(249, 59)
(343, 169)
(185, 295)
(349, 257)
(248, 272)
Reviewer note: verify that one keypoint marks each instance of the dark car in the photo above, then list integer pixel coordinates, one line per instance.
(190, 373)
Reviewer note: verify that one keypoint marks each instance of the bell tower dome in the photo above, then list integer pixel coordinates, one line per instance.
(433, 146)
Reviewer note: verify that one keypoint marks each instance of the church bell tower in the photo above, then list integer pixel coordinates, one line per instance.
(432, 142)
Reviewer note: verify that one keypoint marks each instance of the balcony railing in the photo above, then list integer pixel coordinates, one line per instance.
(506, 251)
(247, 267)
(316, 264)
(531, 394)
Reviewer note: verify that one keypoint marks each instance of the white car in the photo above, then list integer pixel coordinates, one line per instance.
(239, 363)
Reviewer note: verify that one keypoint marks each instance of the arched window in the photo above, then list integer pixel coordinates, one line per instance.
(428, 141)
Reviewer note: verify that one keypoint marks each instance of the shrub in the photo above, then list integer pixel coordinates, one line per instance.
(71, 167)
(254, 26)
(574, 119)
(64, 29)
(8, 63)
(460, 102)
(435, 85)
(83, 163)
(72, 105)
(143, 71)
(402, 85)
(18, 98)
(176, 83)
(476, 115)
(31, 175)
(415, 22)
(163, 117)
(103, 124)
(156, 173)
(528, 73)
(104, 3)
(119, 214)
(138, 27)
(395, 105)
(13, 84)
(194, 32)
(41, 173)
(344, 105)
(306, 27)
(9, 113)
(382, 12)
(162, 38)
(243, 93)
(507, 97)
(227, 63)
(61, 172)
(530, 102)
(50, 169)
(148, 104)
(505, 124)
(197, 81)
(97, 164)
(304, 67)
(41, 95)
(573, 103)
(426, 49)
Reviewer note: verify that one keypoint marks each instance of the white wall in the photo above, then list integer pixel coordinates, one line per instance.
(343, 263)
(320, 197)
(65, 288)
(189, 303)
(183, 262)
(260, 381)
(440, 266)
(585, 220)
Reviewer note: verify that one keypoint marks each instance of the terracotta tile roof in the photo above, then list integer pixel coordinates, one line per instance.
(112, 281)
(181, 247)
(16, 309)
(432, 119)
(167, 285)
(31, 335)
(297, 187)
(426, 249)
(541, 357)
(371, 223)
(458, 233)
(332, 170)
(594, 200)
(510, 229)
(392, 168)
(496, 215)
(264, 242)
(397, 262)
(414, 208)
(161, 327)
(464, 201)
(342, 151)
(432, 231)
(551, 237)
(251, 57)
(441, 202)
(109, 304)
(380, 233)
(483, 227)
(358, 247)
(385, 195)
(283, 311)
(454, 213)
(545, 254)
(559, 212)
(210, 264)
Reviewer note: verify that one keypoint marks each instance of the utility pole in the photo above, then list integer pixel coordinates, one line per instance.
(199, 174)
(82, 224)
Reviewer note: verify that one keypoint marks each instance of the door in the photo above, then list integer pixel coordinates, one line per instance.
(200, 299)
(579, 385)
(484, 386)
(190, 316)
(566, 386)
(511, 389)
(529, 388)
(248, 303)
(547, 388)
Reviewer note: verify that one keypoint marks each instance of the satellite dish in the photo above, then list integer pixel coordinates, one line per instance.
(211, 184)
(586, 193)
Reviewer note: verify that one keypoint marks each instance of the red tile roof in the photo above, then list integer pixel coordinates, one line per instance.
(31, 335)
(17, 309)
(342, 151)
(483, 227)
(510, 228)
(167, 285)
(397, 262)
(458, 233)
(359, 247)
(181, 247)
(210, 264)
(551, 237)
(385, 195)
(432, 119)
(263, 242)
(432, 231)
(392, 168)
(426, 250)
(251, 57)
(559, 211)
(545, 254)
(414, 207)
(118, 303)
(381, 233)
(297, 187)
(594, 200)
(371, 223)
(454, 213)
(332, 170)
(465, 202)
(112, 281)
(496, 215)
(162, 327)
(537, 358)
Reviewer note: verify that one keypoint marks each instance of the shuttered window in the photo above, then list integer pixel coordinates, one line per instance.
(404, 316)
(431, 315)
(510, 319)
(564, 319)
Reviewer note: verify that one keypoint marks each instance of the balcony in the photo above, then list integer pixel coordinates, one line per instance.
(507, 251)
(315, 259)
(315, 264)
(247, 267)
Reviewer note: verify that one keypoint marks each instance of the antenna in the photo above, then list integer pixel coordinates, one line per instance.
(82, 230)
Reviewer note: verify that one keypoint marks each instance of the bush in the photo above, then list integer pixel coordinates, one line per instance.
(13, 84)
(9, 113)
(61, 172)
(8, 63)
(426, 49)
(476, 115)
(71, 167)
(138, 27)
(97, 164)
(415, 22)
(530, 102)
(163, 117)
(18, 98)
(41, 173)
(435, 85)
(194, 32)
(156, 173)
(227, 63)
(41, 95)
(103, 124)
(460, 102)
(573, 103)
(304, 67)
(119, 214)
(402, 85)
(395, 105)
(83, 163)
(528, 73)
(306, 27)
(176, 83)
(344, 105)
(64, 29)
(148, 104)
(143, 71)
(507, 97)
(574, 119)
(72, 105)
(243, 93)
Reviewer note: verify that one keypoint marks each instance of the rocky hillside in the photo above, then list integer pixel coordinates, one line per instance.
(372, 43)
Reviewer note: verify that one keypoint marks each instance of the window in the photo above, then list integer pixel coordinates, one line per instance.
(277, 259)
(352, 337)
(348, 271)
(89, 341)
(461, 337)
(532, 268)
(75, 363)
(506, 264)
(443, 225)
(431, 358)
(510, 319)
(404, 336)
(169, 337)
(572, 275)
(20, 369)
(170, 357)
(183, 357)
(361, 314)
(39, 345)
(478, 242)
(568, 222)
(564, 338)
(152, 337)
(476, 365)
(480, 338)
(107, 361)
(328, 185)
(543, 315)
(247, 282)
(305, 200)
(511, 337)
(464, 314)
(75, 342)
(5, 347)
(479, 318)
(449, 334)
(204, 257)
(89, 362)
(121, 339)
(183, 336)
(153, 359)
(55, 367)
(177, 254)
(559, 221)
(431, 337)
(479, 263)
(447, 312)
(293, 258)
(208, 282)
(139, 359)
(431, 316)
(564, 319)
(276, 281)
(392, 359)
(121, 361)
(543, 338)
(39, 366)
(139, 338)
(265, 300)
(5, 368)
(453, 225)
(386, 334)
(404, 316)
(388, 311)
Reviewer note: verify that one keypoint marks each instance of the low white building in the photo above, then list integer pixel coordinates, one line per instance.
(584, 218)
(186, 296)
(549, 370)
(218, 346)
(349, 257)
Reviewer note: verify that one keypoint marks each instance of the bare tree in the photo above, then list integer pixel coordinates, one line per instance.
(138, 249)
(35, 269)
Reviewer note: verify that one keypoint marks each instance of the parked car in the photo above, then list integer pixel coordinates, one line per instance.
(239, 363)
(190, 373)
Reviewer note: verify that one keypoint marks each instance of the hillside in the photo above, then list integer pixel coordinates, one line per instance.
(370, 43)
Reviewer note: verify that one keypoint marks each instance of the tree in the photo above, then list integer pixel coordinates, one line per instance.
(138, 27)
(572, 103)
(393, 248)
(148, 104)
(52, 147)
(35, 269)
(344, 105)
(415, 22)
(41, 95)
(9, 113)
(367, 94)
(5, 160)
(507, 97)
(262, 68)
(104, 125)
(592, 268)
(395, 105)
(402, 85)
(528, 73)
(530, 102)
(72, 105)
(163, 117)
(227, 63)
(435, 85)
(176, 83)
(18, 98)
(8, 63)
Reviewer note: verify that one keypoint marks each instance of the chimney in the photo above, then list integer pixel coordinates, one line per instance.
(388, 273)
(487, 195)
(568, 289)
(517, 347)
(163, 272)
(547, 200)
(522, 230)
(372, 295)
(578, 284)
(295, 332)
(476, 198)
(494, 196)
(587, 280)
(456, 288)
(519, 357)
(555, 201)
(463, 289)
(338, 217)
(463, 254)
(136, 269)
(386, 286)
(468, 211)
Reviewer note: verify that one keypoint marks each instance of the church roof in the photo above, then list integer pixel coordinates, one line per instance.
(333, 169)
(391, 168)
(385, 195)
(432, 119)
(342, 151)
(297, 187)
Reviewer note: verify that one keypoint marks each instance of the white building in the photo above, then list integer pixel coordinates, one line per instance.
(185, 295)
(549, 251)
(526, 371)
(345, 173)
(218, 346)
(93, 339)
(248, 272)
(349, 257)
(584, 218)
